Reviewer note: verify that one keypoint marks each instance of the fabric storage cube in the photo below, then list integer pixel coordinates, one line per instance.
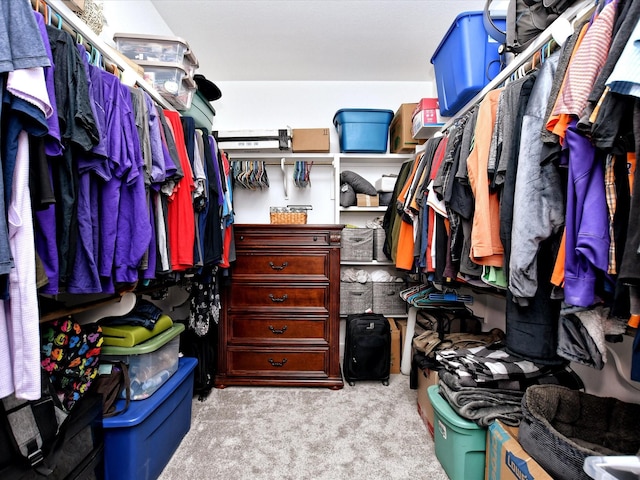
(363, 130)
(151, 363)
(387, 300)
(355, 297)
(459, 443)
(465, 61)
(139, 442)
(379, 236)
(153, 48)
(356, 244)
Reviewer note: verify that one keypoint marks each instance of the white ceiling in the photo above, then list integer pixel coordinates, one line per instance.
(315, 40)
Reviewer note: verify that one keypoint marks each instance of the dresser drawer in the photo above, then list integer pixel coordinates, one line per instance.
(281, 265)
(277, 329)
(246, 296)
(276, 362)
(286, 238)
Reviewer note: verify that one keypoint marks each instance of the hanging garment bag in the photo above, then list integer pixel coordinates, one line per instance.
(367, 354)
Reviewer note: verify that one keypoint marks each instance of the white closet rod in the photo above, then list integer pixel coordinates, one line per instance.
(129, 75)
(574, 14)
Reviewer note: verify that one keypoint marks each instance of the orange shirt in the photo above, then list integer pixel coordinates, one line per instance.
(486, 246)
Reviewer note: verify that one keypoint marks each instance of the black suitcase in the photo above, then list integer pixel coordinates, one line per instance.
(367, 348)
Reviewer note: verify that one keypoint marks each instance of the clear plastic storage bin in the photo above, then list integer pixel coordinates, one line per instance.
(151, 363)
(152, 48)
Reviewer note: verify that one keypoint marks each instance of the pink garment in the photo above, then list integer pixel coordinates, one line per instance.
(587, 63)
(19, 316)
(20, 312)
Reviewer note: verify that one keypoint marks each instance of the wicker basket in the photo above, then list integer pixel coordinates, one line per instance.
(355, 297)
(387, 300)
(356, 244)
(379, 237)
(287, 215)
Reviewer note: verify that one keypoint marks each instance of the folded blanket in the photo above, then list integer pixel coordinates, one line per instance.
(484, 364)
(482, 405)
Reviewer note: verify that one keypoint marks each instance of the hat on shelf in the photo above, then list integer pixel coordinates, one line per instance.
(207, 88)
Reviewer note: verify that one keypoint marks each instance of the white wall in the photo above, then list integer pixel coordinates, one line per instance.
(277, 105)
(132, 16)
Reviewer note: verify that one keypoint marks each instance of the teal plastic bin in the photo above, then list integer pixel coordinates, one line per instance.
(363, 130)
(460, 444)
(201, 111)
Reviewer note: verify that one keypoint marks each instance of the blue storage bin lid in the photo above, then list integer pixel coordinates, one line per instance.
(385, 115)
(500, 21)
(137, 412)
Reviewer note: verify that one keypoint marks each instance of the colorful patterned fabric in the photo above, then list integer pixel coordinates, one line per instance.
(70, 354)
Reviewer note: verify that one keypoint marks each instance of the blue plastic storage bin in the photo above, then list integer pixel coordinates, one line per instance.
(139, 442)
(363, 130)
(466, 60)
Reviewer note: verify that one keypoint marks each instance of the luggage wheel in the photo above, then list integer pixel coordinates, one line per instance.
(352, 384)
(385, 383)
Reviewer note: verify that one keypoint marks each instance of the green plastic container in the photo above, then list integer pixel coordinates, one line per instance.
(460, 444)
(151, 363)
(201, 111)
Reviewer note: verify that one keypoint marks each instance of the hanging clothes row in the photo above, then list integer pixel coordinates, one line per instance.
(528, 192)
(103, 189)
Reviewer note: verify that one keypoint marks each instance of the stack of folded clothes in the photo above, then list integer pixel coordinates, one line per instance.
(485, 383)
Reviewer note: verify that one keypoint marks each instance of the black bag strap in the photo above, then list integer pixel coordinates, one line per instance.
(33, 426)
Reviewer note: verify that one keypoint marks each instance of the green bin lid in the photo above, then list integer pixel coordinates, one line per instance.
(151, 345)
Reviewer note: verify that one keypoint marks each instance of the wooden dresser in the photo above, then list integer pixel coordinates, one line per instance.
(280, 322)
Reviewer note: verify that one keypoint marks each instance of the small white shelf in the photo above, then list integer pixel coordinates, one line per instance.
(364, 209)
(428, 131)
(372, 262)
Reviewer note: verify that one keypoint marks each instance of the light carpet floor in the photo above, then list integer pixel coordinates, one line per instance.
(365, 432)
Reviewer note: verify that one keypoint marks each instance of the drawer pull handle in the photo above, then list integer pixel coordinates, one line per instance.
(278, 299)
(277, 364)
(280, 267)
(277, 331)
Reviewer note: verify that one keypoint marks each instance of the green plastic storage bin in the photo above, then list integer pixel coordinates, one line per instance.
(460, 444)
(151, 363)
(201, 111)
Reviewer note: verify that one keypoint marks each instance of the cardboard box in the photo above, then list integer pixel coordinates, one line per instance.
(426, 378)
(310, 140)
(396, 353)
(506, 459)
(75, 5)
(367, 200)
(402, 325)
(400, 138)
